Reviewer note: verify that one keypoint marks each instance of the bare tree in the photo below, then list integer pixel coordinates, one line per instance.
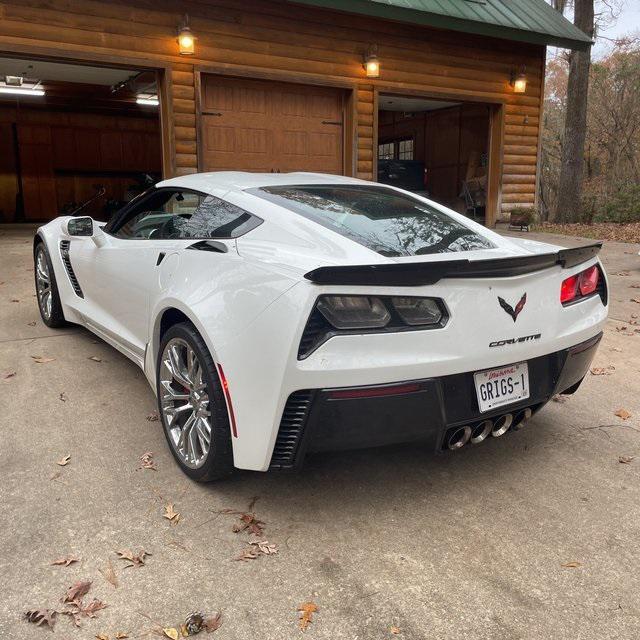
(572, 161)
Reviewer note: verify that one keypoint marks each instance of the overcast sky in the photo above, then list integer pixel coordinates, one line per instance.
(627, 23)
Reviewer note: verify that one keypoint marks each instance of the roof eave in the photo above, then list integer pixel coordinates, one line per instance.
(428, 19)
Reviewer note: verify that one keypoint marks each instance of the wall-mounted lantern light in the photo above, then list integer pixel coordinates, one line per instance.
(518, 81)
(372, 63)
(186, 38)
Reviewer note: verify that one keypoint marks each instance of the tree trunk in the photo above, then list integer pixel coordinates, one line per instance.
(568, 206)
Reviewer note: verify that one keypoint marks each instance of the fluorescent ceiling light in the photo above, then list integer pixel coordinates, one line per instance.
(150, 101)
(22, 92)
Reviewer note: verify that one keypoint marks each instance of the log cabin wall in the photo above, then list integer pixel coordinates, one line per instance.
(282, 41)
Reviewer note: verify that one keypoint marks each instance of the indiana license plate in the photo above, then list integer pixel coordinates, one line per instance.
(505, 385)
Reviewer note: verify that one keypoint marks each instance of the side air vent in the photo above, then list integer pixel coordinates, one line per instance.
(64, 252)
(294, 418)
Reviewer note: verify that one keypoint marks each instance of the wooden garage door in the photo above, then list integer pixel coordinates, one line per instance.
(259, 125)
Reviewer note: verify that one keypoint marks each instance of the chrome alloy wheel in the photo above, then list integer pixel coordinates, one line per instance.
(43, 283)
(184, 402)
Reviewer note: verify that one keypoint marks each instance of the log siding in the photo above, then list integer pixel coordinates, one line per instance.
(262, 38)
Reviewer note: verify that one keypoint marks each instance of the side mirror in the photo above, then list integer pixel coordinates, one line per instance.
(80, 226)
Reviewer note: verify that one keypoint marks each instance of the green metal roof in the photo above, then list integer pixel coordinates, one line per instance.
(532, 21)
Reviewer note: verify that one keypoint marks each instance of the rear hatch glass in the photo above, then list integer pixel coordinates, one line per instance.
(386, 221)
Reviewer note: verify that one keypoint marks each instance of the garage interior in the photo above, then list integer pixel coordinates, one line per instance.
(75, 136)
(437, 148)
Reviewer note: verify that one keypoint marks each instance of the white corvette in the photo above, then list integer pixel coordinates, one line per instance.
(277, 314)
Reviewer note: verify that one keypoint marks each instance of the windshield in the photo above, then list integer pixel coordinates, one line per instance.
(381, 219)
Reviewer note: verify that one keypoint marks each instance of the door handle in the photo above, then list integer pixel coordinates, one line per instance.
(161, 256)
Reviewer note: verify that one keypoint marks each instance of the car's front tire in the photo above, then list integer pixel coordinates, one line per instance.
(192, 405)
(47, 293)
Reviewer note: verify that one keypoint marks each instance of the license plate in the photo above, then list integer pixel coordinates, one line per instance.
(505, 385)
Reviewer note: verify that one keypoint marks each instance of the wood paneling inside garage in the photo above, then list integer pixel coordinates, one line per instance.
(259, 125)
(64, 154)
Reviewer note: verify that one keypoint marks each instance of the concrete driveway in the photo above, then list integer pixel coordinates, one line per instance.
(387, 543)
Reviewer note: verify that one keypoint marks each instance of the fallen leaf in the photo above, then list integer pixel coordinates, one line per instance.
(109, 574)
(265, 547)
(560, 399)
(626, 459)
(170, 514)
(248, 521)
(602, 371)
(153, 417)
(66, 561)
(63, 396)
(212, 623)
(77, 590)
(79, 609)
(15, 300)
(571, 565)
(147, 462)
(5, 375)
(621, 328)
(121, 635)
(171, 632)
(63, 462)
(636, 300)
(136, 560)
(42, 359)
(623, 273)
(90, 609)
(31, 324)
(395, 630)
(248, 553)
(102, 636)
(307, 609)
(95, 358)
(42, 616)
(622, 413)
(634, 286)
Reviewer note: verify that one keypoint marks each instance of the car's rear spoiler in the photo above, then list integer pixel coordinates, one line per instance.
(411, 274)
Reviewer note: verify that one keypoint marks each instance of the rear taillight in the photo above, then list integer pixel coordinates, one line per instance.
(581, 285)
(569, 289)
(589, 280)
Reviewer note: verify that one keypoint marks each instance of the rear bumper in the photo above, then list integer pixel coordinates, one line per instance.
(415, 411)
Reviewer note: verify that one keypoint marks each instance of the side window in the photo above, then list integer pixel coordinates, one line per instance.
(156, 216)
(213, 218)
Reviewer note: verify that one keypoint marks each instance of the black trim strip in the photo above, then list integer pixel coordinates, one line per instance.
(420, 273)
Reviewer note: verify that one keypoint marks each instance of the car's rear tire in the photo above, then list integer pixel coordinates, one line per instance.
(47, 293)
(192, 405)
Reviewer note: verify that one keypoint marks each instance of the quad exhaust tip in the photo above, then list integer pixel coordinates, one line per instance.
(521, 418)
(501, 425)
(481, 431)
(458, 438)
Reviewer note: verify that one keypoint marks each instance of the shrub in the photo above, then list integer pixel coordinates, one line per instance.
(622, 206)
